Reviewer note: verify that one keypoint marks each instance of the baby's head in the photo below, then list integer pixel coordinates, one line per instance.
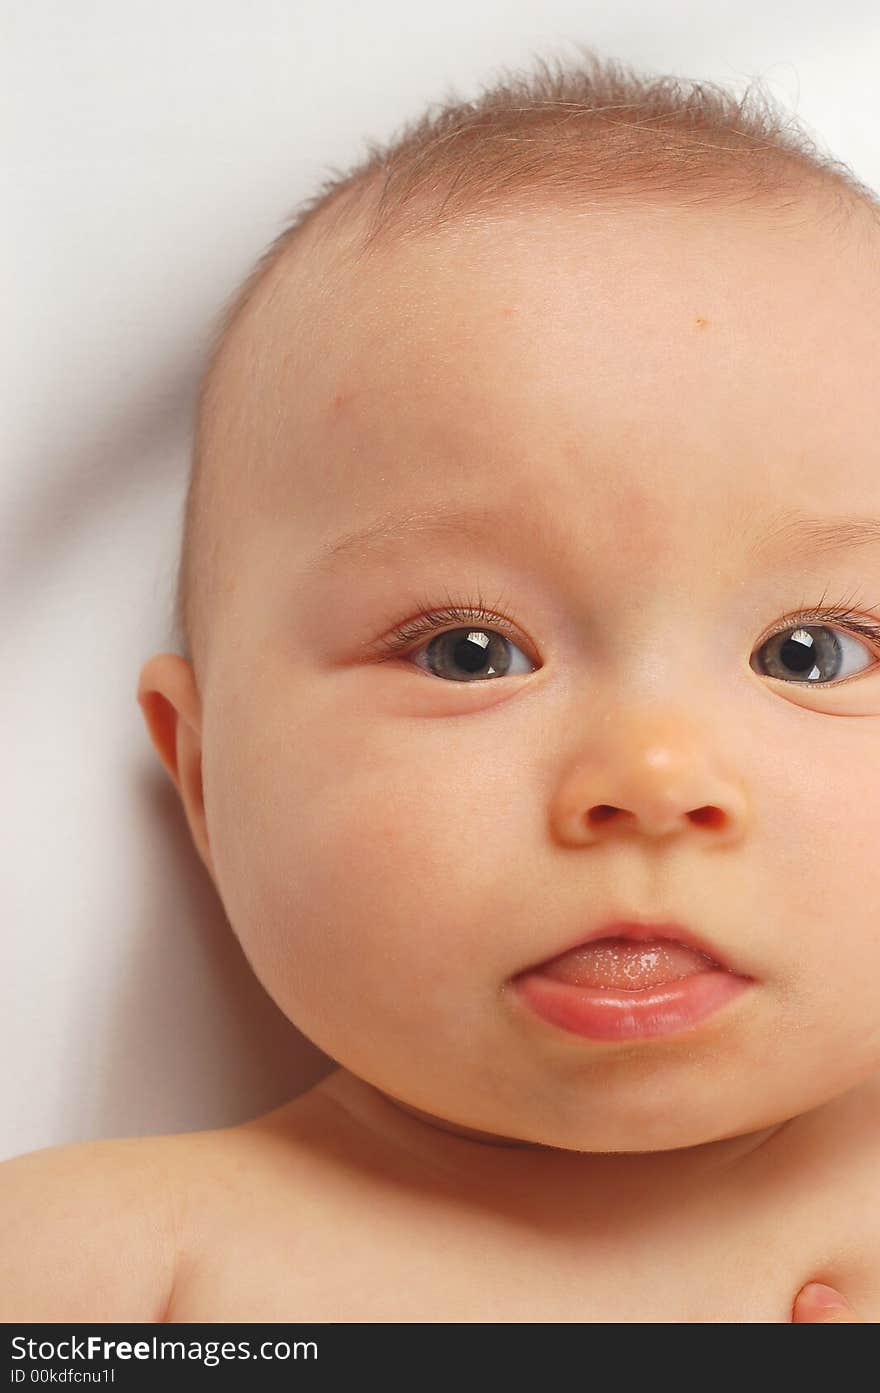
(510, 609)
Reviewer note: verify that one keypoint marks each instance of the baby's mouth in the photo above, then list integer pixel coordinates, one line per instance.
(631, 981)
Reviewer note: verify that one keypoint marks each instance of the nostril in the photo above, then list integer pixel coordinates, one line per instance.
(707, 816)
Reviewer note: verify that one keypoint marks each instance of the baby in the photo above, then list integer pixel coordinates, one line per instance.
(529, 730)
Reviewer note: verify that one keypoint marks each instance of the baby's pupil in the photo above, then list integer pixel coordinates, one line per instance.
(799, 653)
(470, 653)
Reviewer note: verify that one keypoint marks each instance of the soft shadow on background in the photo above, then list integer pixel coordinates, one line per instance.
(196, 1040)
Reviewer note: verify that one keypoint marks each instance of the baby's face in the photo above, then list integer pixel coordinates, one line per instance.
(619, 409)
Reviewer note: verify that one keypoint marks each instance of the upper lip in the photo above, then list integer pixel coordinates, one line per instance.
(638, 929)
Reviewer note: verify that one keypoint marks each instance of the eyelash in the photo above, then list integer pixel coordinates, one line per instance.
(473, 612)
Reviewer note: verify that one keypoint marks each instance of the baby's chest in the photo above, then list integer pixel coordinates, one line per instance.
(409, 1263)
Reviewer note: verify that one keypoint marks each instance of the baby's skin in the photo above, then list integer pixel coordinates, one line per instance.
(630, 406)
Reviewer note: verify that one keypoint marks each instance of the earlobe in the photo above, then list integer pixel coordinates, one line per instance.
(169, 700)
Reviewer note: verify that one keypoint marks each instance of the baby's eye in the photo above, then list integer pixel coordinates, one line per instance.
(471, 654)
(814, 653)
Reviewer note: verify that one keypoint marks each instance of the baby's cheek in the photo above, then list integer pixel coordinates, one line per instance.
(359, 864)
(824, 869)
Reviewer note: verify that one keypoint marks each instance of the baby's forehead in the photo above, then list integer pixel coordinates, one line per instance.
(527, 266)
(443, 332)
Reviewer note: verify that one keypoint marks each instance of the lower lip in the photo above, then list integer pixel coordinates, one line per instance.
(613, 1014)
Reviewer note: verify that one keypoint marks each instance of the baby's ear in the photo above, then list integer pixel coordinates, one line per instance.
(169, 699)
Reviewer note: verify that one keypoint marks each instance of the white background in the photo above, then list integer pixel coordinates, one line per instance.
(153, 149)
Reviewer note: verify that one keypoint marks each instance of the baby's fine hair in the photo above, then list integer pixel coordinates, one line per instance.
(567, 133)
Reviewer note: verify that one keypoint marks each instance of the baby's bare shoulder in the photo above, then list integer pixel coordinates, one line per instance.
(89, 1230)
(111, 1229)
(261, 1205)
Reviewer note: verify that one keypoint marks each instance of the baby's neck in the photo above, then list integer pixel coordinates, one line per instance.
(524, 1172)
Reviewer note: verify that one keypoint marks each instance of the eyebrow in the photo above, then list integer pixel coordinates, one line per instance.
(388, 532)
